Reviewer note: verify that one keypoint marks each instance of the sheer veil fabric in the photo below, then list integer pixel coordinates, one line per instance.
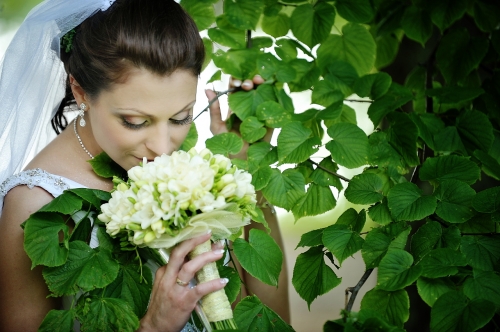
(32, 79)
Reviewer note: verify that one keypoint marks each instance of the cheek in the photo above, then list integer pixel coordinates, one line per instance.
(179, 134)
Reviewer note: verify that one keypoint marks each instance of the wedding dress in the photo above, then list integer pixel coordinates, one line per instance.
(55, 185)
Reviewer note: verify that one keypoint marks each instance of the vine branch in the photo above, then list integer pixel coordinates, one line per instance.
(359, 101)
(355, 290)
(329, 171)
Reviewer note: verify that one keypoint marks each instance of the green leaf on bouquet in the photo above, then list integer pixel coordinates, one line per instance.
(312, 277)
(394, 307)
(191, 138)
(484, 285)
(84, 269)
(233, 287)
(311, 239)
(252, 129)
(245, 103)
(243, 14)
(108, 314)
(407, 202)
(365, 188)
(482, 252)
(355, 45)
(105, 167)
(312, 24)
(453, 311)
(395, 270)
(260, 256)
(342, 241)
(67, 204)
(349, 145)
(252, 315)
(379, 240)
(58, 321)
(487, 201)
(430, 289)
(285, 189)
(132, 286)
(317, 200)
(296, 143)
(41, 239)
(225, 144)
(442, 262)
(449, 167)
(454, 201)
(92, 196)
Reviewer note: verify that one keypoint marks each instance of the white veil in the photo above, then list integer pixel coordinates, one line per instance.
(32, 79)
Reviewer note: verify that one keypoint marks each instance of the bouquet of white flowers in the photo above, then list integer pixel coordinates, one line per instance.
(178, 197)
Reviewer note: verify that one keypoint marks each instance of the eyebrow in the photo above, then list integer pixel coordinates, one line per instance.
(151, 116)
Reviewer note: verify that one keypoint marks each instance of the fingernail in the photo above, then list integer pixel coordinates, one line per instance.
(209, 231)
(219, 251)
(247, 84)
(237, 83)
(224, 280)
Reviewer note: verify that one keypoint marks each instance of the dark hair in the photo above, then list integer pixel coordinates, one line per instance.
(157, 35)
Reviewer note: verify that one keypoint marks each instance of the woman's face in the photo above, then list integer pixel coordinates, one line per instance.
(146, 116)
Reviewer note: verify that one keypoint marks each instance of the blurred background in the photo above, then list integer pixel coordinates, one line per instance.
(326, 307)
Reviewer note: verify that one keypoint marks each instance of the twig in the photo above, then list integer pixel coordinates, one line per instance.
(329, 171)
(213, 100)
(355, 290)
(484, 234)
(359, 101)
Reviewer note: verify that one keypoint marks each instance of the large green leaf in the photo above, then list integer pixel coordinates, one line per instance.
(322, 177)
(107, 315)
(476, 130)
(326, 94)
(458, 54)
(380, 240)
(41, 239)
(342, 241)
(311, 276)
(252, 315)
(487, 201)
(380, 212)
(483, 285)
(133, 286)
(233, 287)
(252, 129)
(454, 201)
(311, 239)
(394, 307)
(365, 188)
(357, 11)
(395, 270)
(431, 289)
(342, 76)
(276, 26)
(295, 143)
(417, 24)
(445, 12)
(442, 262)
(84, 269)
(489, 165)
(317, 200)
(482, 252)
(407, 202)
(191, 138)
(430, 236)
(480, 223)
(352, 219)
(373, 86)
(449, 167)
(202, 12)
(453, 311)
(105, 167)
(226, 34)
(273, 114)
(58, 321)
(243, 14)
(452, 97)
(260, 256)
(349, 146)
(486, 15)
(241, 63)
(312, 24)
(245, 103)
(355, 45)
(448, 141)
(382, 154)
(285, 189)
(225, 144)
(402, 135)
(396, 97)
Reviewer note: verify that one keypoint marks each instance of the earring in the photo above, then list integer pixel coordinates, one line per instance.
(81, 113)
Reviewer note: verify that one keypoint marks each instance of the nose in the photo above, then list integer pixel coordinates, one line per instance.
(159, 141)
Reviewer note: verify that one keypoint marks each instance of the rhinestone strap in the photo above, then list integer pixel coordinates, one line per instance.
(80, 140)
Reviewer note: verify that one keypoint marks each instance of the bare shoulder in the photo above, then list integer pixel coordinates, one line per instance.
(24, 293)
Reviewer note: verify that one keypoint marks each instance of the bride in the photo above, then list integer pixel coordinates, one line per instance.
(131, 67)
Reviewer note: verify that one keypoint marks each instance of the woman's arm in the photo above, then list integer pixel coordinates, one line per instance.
(23, 292)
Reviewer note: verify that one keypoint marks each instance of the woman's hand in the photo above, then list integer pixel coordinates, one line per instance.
(218, 126)
(172, 299)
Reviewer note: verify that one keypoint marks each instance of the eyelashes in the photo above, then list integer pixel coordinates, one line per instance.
(187, 120)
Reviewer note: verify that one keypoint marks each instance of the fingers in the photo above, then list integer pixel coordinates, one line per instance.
(246, 84)
(180, 252)
(188, 270)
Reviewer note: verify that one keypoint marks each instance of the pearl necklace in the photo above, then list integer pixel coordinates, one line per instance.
(80, 140)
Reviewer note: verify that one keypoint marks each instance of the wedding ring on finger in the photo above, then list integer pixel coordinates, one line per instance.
(181, 283)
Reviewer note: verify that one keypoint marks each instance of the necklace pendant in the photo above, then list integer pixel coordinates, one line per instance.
(82, 122)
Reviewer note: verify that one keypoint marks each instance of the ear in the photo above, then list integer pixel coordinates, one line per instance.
(78, 91)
